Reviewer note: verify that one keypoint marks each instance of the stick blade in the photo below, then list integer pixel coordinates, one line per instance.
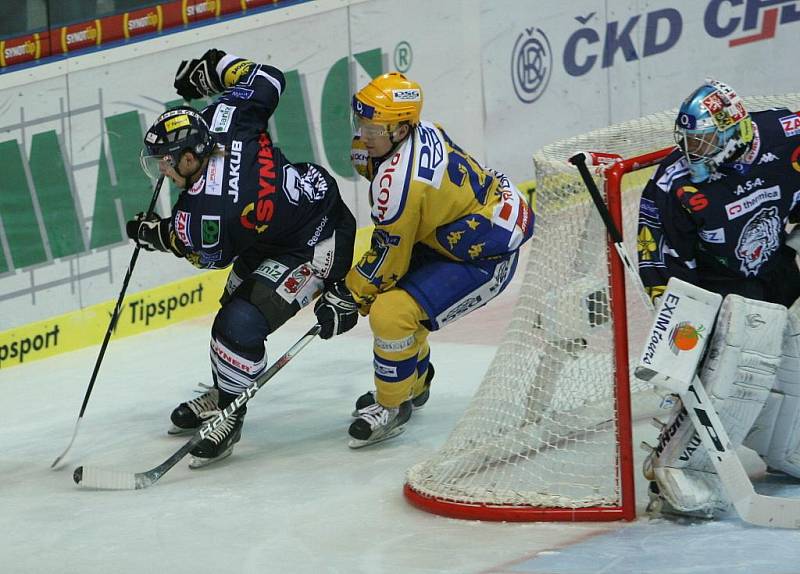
(752, 507)
(772, 512)
(104, 479)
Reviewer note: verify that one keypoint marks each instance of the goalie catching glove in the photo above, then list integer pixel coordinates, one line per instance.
(336, 311)
(197, 79)
(150, 232)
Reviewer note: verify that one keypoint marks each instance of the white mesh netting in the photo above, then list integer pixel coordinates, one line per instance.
(541, 429)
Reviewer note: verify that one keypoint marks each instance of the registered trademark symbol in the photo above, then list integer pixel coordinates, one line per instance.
(403, 56)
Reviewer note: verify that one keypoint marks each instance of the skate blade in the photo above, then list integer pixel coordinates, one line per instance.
(414, 409)
(177, 431)
(356, 443)
(197, 462)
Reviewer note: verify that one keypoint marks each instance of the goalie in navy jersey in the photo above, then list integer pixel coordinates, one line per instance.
(715, 212)
(718, 213)
(283, 226)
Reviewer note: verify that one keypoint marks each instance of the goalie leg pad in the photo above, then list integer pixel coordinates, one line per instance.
(696, 491)
(776, 433)
(742, 362)
(738, 373)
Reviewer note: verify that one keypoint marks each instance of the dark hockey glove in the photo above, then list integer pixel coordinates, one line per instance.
(336, 311)
(198, 78)
(150, 233)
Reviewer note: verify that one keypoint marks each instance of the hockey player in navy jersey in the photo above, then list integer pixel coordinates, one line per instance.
(716, 214)
(282, 225)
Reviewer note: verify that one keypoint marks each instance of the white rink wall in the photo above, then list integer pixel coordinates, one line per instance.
(503, 76)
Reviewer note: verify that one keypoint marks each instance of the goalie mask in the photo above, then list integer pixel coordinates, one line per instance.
(175, 132)
(385, 103)
(712, 127)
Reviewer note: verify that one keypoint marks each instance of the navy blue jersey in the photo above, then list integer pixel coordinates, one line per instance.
(250, 196)
(732, 225)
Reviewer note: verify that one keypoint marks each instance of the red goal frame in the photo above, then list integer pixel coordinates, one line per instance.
(613, 174)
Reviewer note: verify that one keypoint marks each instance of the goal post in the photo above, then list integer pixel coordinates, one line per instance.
(548, 434)
(565, 357)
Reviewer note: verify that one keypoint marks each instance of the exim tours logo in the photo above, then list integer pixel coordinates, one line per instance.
(684, 337)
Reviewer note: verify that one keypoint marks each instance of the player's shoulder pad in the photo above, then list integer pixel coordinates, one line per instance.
(672, 168)
(389, 187)
(430, 162)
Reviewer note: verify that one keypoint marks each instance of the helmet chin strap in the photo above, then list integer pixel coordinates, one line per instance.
(391, 136)
(187, 178)
(395, 142)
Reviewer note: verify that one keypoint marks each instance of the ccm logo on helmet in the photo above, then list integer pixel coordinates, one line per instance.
(384, 185)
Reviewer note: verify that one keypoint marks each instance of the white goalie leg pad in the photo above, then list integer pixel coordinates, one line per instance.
(742, 362)
(686, 490)
(738, 373)
(776, 432)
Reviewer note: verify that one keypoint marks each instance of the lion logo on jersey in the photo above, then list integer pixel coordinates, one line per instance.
(759, 240)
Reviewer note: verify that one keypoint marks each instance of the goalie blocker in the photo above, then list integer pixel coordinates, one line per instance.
(750, 341)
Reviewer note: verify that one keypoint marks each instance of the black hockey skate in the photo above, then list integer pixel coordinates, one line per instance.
(375, 423)
(186, 417)
(417, 402)
(219, 444)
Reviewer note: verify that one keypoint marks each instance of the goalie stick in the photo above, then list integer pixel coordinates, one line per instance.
(752, 507)
(106, 479)
(112, 324)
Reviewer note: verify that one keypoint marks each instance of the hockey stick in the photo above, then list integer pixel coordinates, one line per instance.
(99, 478)
(112, 324)
(754, 508)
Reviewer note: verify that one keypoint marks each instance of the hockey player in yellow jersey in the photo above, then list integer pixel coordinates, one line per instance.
(446, 241)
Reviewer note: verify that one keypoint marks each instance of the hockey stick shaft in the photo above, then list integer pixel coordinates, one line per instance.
(111, 326)
(103, 479)
(752, 507)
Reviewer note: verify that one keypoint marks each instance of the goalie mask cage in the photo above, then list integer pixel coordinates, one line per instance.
(548, 434)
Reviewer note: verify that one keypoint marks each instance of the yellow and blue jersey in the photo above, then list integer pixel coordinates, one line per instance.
(429, 191)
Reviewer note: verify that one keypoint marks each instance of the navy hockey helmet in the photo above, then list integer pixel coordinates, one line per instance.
(712, 127)
(175, 132)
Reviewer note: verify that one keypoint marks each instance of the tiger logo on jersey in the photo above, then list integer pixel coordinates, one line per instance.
(759, 240)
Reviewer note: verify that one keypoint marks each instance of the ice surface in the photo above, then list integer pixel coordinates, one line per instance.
(293, 498)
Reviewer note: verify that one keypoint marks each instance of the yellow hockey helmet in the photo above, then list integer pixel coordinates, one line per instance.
(389, 99)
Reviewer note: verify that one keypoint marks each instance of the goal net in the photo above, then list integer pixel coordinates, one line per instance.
(548, 434)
